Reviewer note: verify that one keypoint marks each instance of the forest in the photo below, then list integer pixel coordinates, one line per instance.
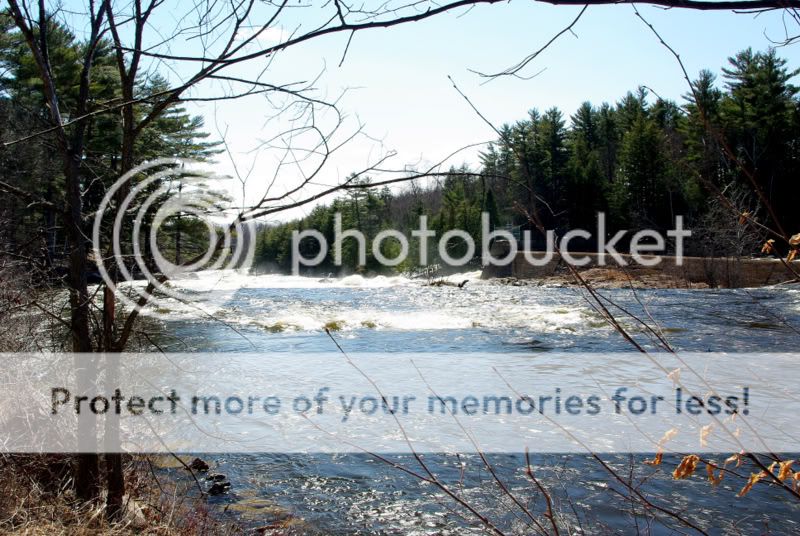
(642, 160)
(32, 230)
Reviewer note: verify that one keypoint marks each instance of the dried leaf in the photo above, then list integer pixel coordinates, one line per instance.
(768, 246)
(795, 240)
(772, 467)
(785, 470)
(792, 254)
(715, 480)
(675, 375)
(687, 467)
(669, 434)
(743, 217)
(705, 431)
(754, 478)
(655, 461)
(734, 458)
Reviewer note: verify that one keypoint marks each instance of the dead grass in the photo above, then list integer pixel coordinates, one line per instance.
(36, 495)
(36, 499)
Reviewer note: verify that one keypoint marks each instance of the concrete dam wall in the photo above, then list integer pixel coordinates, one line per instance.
(727, 272)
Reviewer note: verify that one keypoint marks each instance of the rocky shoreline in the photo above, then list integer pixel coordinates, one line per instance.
(606, 277)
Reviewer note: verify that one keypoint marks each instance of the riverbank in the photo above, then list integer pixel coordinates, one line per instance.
(604, 271)
(37, 495)
(36, 498)
(607, 278)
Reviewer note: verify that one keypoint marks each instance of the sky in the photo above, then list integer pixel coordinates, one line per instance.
(398, 92)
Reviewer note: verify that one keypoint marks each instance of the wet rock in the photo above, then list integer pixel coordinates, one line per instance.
(514, 282)
(218, 488)
(259, 508)
(198, 465)
(446, 283)
(289, 525)
(216, 477)
(334, 325)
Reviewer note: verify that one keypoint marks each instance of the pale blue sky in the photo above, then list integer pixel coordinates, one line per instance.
(400, 91)
(404, 98)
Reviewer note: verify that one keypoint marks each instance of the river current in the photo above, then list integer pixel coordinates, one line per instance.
(357, 493)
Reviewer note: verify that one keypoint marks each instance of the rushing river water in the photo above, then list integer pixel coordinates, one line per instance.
(357, 493)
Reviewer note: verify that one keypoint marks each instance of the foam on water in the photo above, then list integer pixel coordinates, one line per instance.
(350, 281)
(352, 319)
(270, 302)
(221, 280)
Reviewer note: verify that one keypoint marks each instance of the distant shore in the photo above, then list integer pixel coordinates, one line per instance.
(608, 277)
(667, 272)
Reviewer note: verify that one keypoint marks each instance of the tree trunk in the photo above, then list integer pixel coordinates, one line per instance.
(87, 486)
(115, 476)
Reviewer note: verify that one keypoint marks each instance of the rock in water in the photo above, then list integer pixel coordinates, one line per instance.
(198, 465)
(218, 488)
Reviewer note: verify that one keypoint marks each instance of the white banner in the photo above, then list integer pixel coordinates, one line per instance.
(381, 403)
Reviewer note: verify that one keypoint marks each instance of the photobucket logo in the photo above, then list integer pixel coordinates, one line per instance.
(142, 203)
(644, 246)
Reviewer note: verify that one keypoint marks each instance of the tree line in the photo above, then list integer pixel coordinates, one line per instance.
(34, 230)
(731, 161)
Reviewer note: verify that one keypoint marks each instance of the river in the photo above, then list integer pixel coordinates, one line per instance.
(356, 493)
